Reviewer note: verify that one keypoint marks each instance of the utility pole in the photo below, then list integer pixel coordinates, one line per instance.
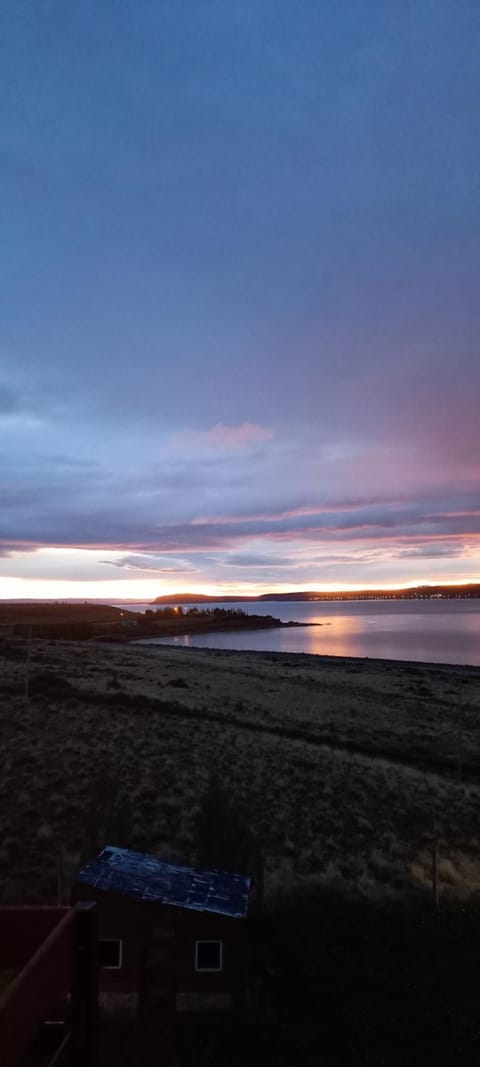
(27, 664)
(435, 886)
(460, 735)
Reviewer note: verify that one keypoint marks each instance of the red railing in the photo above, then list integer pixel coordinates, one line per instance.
(46, 943)
(23, 930)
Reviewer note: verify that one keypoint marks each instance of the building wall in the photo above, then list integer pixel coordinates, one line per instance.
(119, 919)
(159, 951)
(217, 990)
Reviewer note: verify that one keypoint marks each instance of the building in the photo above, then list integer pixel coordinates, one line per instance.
(169, 936)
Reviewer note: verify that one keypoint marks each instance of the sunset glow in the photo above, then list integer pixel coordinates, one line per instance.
(239, 340)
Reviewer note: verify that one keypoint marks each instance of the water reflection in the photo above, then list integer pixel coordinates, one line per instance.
(434, 631)
(336, 636)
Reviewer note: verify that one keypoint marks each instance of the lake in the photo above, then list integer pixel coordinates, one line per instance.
(435, 631)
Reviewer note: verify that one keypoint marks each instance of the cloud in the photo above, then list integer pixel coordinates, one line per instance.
(130, 521)
(70, 462)
(152, 564)
(250, 559)
(226, 438)
(431, 550)
(9, 402)
(14, 548)
(223, 505)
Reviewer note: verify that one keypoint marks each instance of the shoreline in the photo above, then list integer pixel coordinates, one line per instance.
(186, 630)
(314, 657)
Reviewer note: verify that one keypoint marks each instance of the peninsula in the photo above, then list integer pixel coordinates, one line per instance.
(104, 622)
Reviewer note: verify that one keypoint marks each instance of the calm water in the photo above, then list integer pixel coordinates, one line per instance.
(438, 631)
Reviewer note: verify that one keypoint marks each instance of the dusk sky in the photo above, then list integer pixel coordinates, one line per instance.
(239, 294)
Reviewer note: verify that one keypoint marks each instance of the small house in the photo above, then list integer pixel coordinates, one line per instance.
(170, 936)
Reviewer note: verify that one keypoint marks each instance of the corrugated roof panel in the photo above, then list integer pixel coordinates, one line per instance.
(144, 877)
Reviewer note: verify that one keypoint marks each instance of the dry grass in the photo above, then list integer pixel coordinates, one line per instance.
(342, 764)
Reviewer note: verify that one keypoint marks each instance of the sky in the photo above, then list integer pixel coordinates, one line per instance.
(239, 309)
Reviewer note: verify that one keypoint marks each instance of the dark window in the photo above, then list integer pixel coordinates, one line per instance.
(110, 953)
(208, 955)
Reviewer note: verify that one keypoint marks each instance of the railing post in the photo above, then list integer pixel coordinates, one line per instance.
(85, 987)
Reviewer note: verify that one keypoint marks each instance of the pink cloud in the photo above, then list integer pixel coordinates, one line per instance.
(226, 437)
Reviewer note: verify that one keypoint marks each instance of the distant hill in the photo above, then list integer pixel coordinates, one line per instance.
(422, 592)
(199, 598)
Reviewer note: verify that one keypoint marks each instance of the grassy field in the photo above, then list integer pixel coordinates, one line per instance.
(349, 770)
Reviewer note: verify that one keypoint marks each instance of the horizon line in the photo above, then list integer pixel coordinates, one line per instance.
(331, 591)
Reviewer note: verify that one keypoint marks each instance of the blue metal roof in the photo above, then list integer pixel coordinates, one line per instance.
(144, 877)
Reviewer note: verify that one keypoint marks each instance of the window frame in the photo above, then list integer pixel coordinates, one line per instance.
(117, 941)
(209, 970)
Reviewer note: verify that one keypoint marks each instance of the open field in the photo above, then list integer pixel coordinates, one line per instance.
(348, 768)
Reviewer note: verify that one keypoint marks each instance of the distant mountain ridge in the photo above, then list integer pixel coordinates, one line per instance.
(422, 592)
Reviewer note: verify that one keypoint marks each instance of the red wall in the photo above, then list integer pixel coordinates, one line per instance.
(22, 931)
(43, 981)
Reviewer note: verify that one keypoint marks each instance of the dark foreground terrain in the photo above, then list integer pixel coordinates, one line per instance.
(341, 982)
(356, 778)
